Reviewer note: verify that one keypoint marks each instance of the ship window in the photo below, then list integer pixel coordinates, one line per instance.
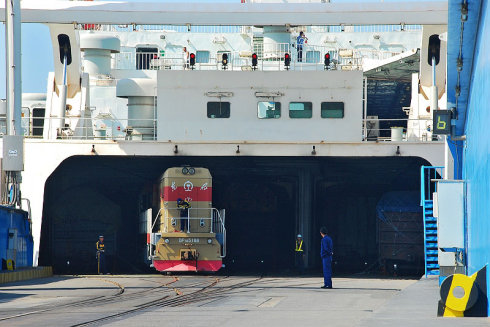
(313, 57)
(300, 110)
(332, 110)
(266, 110)
(38, 121)
(218, 110)
(202, 57)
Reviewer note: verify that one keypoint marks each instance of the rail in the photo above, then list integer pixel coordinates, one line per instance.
(224, 29)
(246, 29)
(101, 127)
(428, 184)
(398, 130)
(211, 215)
(215, 222)
(269, 57)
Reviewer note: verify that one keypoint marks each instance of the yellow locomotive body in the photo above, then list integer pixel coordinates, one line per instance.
(188, 234)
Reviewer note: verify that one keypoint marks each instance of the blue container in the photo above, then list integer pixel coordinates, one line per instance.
(15, 237)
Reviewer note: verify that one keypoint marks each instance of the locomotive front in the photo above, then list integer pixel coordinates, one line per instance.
(188, 234)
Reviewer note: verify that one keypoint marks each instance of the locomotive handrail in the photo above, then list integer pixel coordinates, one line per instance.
(214, 214)
(155, 221)
(217, 222)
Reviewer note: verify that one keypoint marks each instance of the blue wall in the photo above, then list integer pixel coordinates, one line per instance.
(17, 219)
(476, 156)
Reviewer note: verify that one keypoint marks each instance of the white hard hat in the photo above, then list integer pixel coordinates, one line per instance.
(299, 235)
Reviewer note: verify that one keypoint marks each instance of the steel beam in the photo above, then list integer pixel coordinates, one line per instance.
(257, 14)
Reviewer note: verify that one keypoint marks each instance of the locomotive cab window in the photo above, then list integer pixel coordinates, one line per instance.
(332, 110)
(300, 110)
(268, 110)
(218, 110)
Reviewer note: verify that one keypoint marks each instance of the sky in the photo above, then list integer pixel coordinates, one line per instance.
(37, 57)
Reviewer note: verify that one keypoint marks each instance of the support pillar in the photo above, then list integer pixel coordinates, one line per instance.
(305, 211)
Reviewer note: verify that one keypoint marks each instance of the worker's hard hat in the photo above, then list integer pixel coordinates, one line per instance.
(299, 236)
(101, 236)
(179, 199)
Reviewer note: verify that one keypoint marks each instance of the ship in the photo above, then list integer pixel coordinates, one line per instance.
(329, 129)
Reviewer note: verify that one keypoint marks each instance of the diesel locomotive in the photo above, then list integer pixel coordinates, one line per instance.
(186, 233)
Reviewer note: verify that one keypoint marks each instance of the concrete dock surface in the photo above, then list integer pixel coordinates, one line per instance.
(151, 300)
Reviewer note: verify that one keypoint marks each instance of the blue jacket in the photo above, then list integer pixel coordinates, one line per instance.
(327, 247)
(300, 41)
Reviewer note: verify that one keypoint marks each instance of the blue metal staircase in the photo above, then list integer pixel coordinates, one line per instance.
(428, 175)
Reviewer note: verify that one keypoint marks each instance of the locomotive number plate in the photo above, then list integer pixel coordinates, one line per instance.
(188, 240)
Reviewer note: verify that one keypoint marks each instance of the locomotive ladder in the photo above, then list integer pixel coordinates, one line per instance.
(428, 185)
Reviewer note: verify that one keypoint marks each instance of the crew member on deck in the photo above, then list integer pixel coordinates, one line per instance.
(184, 213)
(100, 255)
(299, 254)
(185, 57)
(300, 41)
(326, 253)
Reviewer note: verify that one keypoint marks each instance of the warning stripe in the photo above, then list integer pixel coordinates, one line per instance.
(196, 194)
(470, 303)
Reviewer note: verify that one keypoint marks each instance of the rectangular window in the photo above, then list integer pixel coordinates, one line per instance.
(218, 110)
(202, 57)
(313, 57)
(300, 110)
(332, 110)
(267, 110)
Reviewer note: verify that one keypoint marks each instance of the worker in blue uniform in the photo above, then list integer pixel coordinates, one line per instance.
(184, 214)
(100, 255)
(326, 253)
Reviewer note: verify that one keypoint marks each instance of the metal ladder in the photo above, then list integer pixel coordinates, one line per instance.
(428, 177)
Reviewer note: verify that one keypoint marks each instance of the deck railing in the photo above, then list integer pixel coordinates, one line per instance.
(98, 128)
(270, 57)
(398, 130)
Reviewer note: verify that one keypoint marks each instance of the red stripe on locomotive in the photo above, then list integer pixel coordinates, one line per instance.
(196, 194)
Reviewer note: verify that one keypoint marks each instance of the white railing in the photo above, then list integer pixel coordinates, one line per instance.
(398, 130)
(270, 57)
(98, 128)
(165, 28)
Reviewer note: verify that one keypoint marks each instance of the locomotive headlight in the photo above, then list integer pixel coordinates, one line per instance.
(167, 240)
(210, 241)
(185, 171)
(192, 171)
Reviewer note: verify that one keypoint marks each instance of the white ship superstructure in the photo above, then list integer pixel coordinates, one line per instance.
(123, 90)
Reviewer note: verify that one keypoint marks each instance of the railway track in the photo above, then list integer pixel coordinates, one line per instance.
(103, 299)
(207, 292)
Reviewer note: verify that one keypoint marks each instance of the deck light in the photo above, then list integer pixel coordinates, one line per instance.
(287, 60)
(254, 61)
(327, 60)
(224, 60)
(192, 60)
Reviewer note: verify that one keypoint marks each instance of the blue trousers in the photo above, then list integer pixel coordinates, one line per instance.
(101, 263)
(327, 271)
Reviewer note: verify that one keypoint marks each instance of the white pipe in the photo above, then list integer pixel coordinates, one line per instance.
(62, 99)
(433, 89)
(13, 62)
